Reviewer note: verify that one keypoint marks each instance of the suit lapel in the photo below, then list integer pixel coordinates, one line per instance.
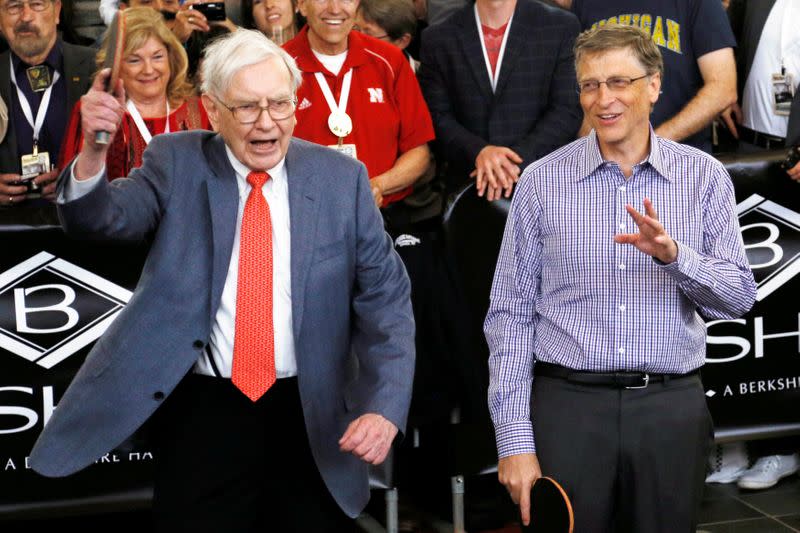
(5, 91)
(303, 210)
(72, 74)
(473, 52)
(223, 202)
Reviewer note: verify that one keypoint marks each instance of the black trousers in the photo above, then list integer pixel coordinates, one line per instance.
(224, 463)
(630, 460)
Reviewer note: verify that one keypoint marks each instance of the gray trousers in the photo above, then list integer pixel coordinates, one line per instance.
(630, 460)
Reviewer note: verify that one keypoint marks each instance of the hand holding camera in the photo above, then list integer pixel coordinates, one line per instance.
(792, 163)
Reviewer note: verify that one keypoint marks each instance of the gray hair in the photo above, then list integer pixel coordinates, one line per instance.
(618, 36)
(231, 53)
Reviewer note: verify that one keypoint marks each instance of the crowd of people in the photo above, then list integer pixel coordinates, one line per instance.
(499, 93)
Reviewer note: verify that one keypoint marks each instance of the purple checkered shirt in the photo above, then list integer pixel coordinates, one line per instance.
(565, 293)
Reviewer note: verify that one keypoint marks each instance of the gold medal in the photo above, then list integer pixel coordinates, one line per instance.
(340, 124)
(38, 78)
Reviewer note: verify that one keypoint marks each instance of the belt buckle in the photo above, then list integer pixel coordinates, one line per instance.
(645, 380)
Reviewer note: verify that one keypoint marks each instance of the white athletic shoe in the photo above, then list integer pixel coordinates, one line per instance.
(768, 471)
(728, 462)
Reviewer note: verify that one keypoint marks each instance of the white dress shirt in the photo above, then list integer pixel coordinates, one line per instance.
(218, 359)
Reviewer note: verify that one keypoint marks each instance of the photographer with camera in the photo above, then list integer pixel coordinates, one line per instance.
(41, 78)
(769, 71)
(768, 58)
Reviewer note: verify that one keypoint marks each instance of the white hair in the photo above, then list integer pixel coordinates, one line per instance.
(230, 53)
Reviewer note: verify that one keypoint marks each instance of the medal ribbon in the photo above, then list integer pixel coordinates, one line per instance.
(492, 76)
(343, 97)
(139, 121)
(26, 106)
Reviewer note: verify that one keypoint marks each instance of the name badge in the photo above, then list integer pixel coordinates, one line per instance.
(38, 78)
(782, 93)
(346, 149)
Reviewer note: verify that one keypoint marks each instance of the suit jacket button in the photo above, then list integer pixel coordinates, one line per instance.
(158, 395)
(198, 344)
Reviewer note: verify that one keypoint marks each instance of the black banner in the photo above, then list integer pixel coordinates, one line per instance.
(752, 371)
(57, 296)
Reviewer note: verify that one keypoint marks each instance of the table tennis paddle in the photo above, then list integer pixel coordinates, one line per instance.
(114, 46)
(551, 510)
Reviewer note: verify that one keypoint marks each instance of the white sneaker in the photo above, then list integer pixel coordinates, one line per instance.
(768, 471)
(728, 462)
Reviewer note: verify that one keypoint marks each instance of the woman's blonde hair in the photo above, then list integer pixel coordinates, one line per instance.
(142, 23)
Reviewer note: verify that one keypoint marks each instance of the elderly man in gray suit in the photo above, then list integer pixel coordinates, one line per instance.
(271, 332)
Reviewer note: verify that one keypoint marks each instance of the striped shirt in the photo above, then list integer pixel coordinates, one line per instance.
(565, 293)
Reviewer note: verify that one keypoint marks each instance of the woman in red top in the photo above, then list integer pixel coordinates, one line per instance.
(160, 98)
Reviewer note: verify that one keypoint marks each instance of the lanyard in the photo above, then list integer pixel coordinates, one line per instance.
(140, 125)
(789, 12)
(26, 106)
(326, 90)
(492, 76)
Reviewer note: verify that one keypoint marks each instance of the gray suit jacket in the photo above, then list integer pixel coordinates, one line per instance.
(350, 295)
(79, 69)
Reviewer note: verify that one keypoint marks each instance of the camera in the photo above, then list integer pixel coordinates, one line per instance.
(792, 158)
(213, 11)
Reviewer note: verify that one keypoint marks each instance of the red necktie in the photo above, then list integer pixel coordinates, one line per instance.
(253, 369)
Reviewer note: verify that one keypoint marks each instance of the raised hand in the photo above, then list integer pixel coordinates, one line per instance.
(100, 111)
(652, 238)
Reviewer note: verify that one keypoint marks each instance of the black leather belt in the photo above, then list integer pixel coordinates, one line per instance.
(764, 140)
(615, 380)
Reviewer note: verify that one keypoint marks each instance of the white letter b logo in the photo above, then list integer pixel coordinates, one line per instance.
(23, 310)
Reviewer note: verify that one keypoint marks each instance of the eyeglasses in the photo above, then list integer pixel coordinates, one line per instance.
(250, 113)
(16, 7)
(615, 84)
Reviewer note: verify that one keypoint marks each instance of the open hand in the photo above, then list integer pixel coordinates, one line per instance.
(652, 238)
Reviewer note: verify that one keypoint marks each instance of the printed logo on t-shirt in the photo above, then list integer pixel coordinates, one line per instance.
(669, 39)
(375, 95)
(304, 104)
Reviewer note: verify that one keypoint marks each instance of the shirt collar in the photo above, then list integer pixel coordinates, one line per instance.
(307, 62)
(594, 159)
(277, 173)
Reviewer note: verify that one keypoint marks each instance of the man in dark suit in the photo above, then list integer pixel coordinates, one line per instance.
(500, 84)
(41, 78)
(271, 327)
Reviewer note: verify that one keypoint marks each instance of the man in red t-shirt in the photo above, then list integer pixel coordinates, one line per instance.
(360, 96)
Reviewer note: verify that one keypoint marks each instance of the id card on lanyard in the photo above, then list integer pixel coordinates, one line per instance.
(37, 162)
(339, 122)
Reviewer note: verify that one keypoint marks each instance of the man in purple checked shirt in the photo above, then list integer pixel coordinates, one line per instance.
(600, 296)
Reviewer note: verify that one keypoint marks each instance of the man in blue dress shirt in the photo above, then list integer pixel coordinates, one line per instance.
(615, 246)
